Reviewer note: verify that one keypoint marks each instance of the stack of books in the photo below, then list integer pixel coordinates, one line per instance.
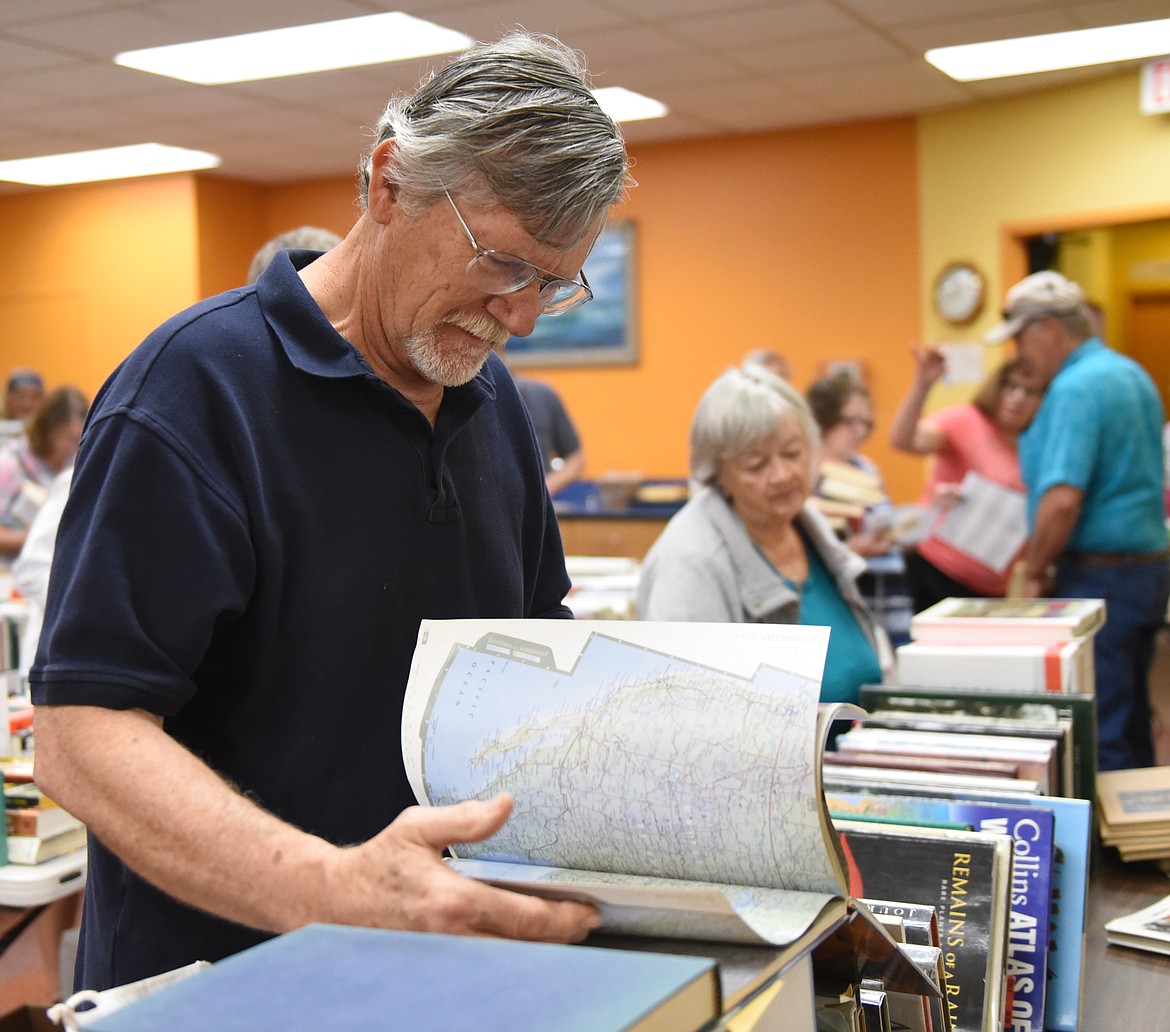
(36, 828)
(1134, 812)
(971, 748)
(1015, 644)
(844, 493)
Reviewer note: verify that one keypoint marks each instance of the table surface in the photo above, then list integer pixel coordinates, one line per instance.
(30, 885)
(1123, 988)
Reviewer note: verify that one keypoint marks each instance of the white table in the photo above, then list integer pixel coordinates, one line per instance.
(31, 885)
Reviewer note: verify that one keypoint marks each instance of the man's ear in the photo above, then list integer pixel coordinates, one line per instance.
(383, 193)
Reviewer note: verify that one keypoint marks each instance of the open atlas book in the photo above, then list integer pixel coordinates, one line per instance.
(668, 773)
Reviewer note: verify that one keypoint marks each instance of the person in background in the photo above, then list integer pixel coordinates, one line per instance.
(30, 571)
(843, 409)
(1092, 463)
(747, 547)
(977, 436)
(273, 490)
(773, 361)
(29, 465)
(560, 447)
(303, 238)
(23, 394)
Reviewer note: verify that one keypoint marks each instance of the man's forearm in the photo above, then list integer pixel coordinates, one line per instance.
(1056, 519)
(174, 821)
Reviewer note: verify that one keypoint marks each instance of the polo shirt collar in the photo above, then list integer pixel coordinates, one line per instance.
(314, 346)
(1081, 351)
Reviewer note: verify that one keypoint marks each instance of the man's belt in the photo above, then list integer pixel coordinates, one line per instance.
(1115, 558)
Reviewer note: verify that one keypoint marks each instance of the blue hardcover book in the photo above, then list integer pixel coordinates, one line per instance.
(335, 977)
(1031, 830)
(1070, 886)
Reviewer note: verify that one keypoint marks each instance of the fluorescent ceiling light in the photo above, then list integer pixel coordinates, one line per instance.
(1029, 54)
(298, 50)
(624, 105)
(142, 159)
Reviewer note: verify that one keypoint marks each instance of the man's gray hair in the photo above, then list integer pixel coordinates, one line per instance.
(1079, 323)
(740, 408)
(514, 123)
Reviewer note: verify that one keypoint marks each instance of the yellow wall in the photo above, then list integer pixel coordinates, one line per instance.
(1075, 157)
(90, 270)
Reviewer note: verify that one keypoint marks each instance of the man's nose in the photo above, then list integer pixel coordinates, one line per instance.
(518, 310)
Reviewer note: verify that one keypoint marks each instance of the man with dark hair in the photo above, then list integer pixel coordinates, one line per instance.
(273, 490)
(1092, 465)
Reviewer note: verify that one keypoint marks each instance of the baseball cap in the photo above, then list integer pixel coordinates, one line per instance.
(1035, 296)
(24, 378)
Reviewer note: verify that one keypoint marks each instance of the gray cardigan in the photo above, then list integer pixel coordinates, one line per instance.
(705, 567)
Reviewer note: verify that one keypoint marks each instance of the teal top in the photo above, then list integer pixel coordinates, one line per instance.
(1099, 429)
(851, 660)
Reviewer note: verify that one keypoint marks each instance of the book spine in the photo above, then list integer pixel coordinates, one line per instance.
(1030, 914)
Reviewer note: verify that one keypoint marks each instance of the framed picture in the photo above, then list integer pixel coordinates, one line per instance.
(601, 332)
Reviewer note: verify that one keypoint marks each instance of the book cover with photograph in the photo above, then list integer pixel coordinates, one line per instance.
(1028, 621)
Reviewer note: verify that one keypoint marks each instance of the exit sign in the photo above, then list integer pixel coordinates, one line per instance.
(1156, 86)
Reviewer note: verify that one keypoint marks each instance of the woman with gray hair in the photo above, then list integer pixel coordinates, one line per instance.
(747, 547)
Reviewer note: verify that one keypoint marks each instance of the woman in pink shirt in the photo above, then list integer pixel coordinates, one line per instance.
(977, 436)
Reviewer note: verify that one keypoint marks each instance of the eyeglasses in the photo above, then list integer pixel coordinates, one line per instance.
(498, 272)
(1031, 392)
(859, 423)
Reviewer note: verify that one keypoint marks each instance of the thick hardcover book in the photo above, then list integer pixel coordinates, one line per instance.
(1032, 831)
(668, 773)
(336, 977)
(966, 876)
(1070, 885)
(31, 849)
(1080, 710)
(1001, 621)
(1062, 666)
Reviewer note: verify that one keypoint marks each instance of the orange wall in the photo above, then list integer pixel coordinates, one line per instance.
(804, 241)
(90, 270)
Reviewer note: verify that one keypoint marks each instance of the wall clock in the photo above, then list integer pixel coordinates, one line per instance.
(959, 292)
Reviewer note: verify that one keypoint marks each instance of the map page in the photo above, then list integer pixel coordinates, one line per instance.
(640, 756)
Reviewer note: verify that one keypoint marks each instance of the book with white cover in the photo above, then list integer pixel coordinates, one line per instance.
(1058, 667)
(1027, 621)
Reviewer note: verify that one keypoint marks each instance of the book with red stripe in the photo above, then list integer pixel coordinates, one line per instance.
(1057, 667)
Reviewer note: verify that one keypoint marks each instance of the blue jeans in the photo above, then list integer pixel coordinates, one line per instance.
(1123, 650)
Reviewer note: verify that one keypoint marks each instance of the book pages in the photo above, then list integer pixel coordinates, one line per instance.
(661, 751)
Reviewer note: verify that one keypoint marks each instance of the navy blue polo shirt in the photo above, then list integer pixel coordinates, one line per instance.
(257, 525)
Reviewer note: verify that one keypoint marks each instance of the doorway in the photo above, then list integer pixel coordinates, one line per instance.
(1148, 336)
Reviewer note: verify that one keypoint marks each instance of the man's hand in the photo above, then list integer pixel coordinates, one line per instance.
(398, 880)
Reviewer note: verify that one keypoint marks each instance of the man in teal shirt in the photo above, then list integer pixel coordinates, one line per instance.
(1092, 464)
